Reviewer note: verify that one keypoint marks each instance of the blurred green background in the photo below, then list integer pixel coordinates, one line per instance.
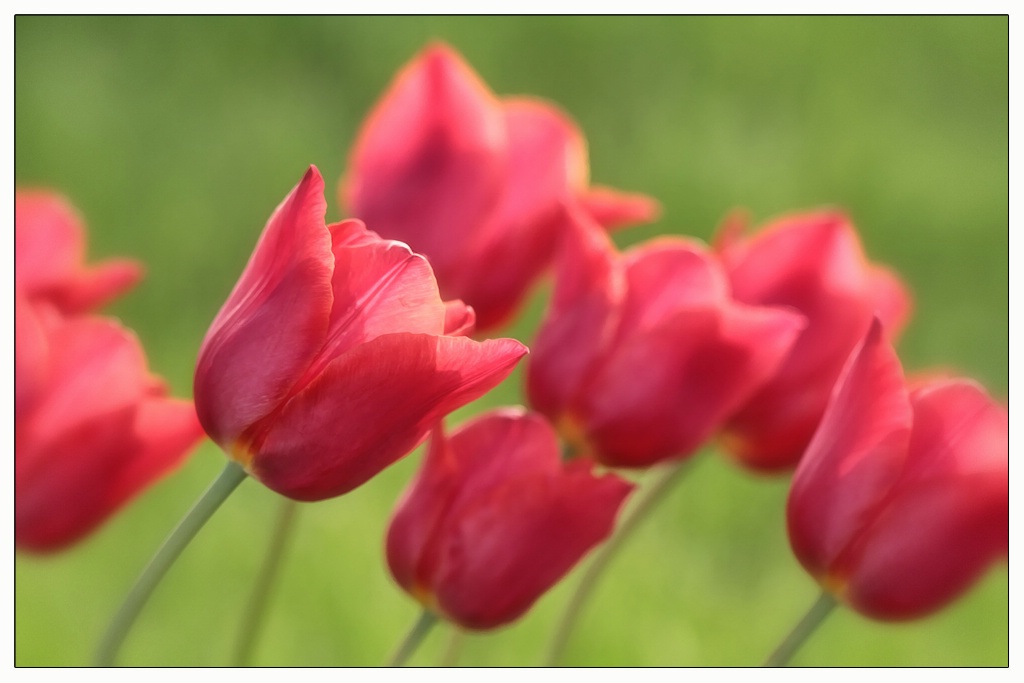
(177, 136)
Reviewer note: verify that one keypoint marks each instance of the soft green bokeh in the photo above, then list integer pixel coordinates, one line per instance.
(177, 136)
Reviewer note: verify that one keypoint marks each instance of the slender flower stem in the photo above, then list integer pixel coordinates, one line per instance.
(256, 610)
(802, 631)
(452, 650)
(230, 477)
(413, 638)
(642, 506)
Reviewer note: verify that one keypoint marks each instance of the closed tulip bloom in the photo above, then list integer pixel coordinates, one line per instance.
(814, 263)
(473, 182)
(643, 355)
(494, 518)
(49, 255)
(334, 354)
(93, 427)
(902, 499)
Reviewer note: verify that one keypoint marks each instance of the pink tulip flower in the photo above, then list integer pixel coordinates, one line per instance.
(92, 427)
(814, 263)
(495, 518)
(334, 354)
(49, 254)
(643, 355)
(902, 499)
(475, 183)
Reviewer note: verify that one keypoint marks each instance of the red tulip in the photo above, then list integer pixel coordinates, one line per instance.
(814, 263)
(474, 183)
(93, 427)
(902, 499)
(494, 519)
(643, 355)
(334, 354)
(49, 250)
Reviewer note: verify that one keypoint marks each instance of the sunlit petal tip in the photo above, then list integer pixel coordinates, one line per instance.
(614, 209)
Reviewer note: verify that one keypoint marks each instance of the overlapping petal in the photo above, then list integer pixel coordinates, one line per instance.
(274, 321)
(332, 436)
(814, 263)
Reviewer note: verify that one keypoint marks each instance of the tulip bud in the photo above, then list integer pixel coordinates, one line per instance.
(473, 182)
(334, 355)
(643, 355)
(494, 519)
(49, 250)
(813, 263)
(902, 499)
(93, 427)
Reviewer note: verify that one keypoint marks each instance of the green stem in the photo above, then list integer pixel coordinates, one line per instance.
(641, 508)
(802, 631)
(456, 639)
(412, 639)
(256, 610)
(231, 476)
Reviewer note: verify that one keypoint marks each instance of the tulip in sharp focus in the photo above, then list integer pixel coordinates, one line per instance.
(902, 499)
(334, 355)
(814, 263)
(92, 427)
(495, 518)
(474, 183)
(643, 355)
(49, 251)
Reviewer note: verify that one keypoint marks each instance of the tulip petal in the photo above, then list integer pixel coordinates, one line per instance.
(93, 287)
(665, 276)
(546, 164)
(49, 244)
(459, 319)
(479, 456)
(86, 353)
(615, 209)
(419, 511)
(273, 323)
(58, 498)
(380, 287)
(547, 160)
(117, 455)
(581, 318)
(708, 361)
(509, 546)
(49, 241)
(429, 163)
(814, 263)
(31, 350)
(947, 519)
(371, 406)
(855, 457)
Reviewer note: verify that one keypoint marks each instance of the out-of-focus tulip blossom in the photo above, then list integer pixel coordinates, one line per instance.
(473, 182)
(643, 355)
(334, 354)
(814, 263)
(902, 499)
(92, 426)
(49, 254)
(494, 519)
